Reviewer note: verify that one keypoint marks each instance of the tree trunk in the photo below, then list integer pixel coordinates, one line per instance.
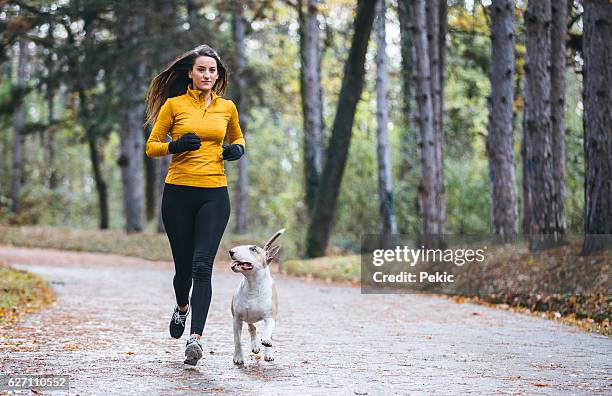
(311, 91)
(441, 34)
(131, 163)
(320, 225)
(542, 226)
(557, 94)
(132, 87)
(49, 144)
(433, 44)
(6, 141)
(504, 216)
(597, 124)
(18, 123)
(101, 187)
(436, 31)
(385, 188)
(428, 193)
(407, 147)
(241, 202)
(526, 204)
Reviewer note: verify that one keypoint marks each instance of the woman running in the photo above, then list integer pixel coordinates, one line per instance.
(184, 102)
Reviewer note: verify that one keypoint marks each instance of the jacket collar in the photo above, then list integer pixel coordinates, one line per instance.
(198, 95)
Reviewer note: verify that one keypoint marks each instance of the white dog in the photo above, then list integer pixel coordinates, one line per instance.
(256, 297)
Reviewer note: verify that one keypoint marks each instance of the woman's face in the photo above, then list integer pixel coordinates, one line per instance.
(204, 73)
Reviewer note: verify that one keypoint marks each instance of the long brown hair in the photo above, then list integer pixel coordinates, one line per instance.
(173, 80)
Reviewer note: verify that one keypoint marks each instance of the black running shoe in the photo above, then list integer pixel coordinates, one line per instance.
(193, 352)
(177, 323)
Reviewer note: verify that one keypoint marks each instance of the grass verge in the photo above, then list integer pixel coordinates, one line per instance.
(147, 245)
(21, 292)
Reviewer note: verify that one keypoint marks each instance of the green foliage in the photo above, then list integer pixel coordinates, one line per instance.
(357, 210)
(467, 196)
(275, 179)
(273, 127)
(574, 154)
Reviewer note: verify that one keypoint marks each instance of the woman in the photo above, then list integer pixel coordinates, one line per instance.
(184, 102)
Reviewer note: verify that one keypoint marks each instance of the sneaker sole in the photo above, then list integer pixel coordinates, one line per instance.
(193, 354)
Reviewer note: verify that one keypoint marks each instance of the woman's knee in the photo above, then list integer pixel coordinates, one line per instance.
(202, 266)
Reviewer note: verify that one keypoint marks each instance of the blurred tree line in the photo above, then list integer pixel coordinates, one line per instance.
(416, 117)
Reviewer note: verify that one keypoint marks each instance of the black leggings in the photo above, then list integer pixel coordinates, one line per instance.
(195, 219)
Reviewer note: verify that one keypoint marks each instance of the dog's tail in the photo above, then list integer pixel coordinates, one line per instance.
(269, 243)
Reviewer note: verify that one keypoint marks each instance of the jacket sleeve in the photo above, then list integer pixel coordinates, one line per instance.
(156, 144)
(234, 133)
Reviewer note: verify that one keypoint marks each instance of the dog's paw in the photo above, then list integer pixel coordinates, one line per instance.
(238, 360)
(266, 342)
(255, 349)
(268, 358)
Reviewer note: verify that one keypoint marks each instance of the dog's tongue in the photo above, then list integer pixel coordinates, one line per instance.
(241, 264)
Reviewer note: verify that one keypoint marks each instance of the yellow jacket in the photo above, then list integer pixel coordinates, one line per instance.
(188, 113)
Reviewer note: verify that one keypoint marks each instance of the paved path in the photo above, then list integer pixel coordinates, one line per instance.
(108, 331)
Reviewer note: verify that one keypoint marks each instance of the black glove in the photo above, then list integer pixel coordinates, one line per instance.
(188, 142)
(232, 152)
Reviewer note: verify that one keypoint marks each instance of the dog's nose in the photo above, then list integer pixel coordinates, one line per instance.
(231, 253)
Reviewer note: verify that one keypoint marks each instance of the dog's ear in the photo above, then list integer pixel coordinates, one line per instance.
(271, 253)
(269, 243)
